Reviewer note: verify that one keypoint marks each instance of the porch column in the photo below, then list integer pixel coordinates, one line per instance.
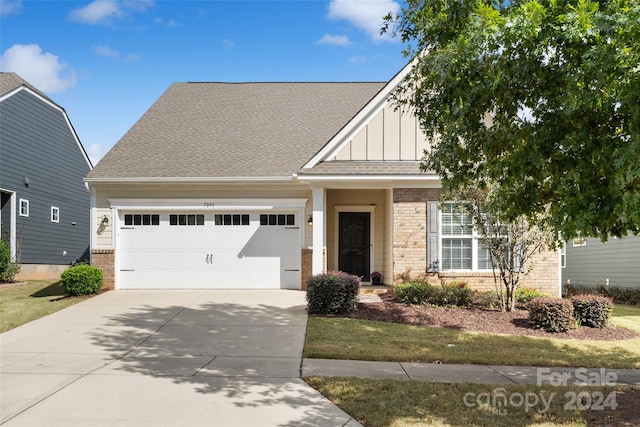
(319, 231)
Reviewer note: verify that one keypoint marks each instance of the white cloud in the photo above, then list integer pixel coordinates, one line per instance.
(168, 23)
(96, 152)
(364, 14)
(10, 7)
(42, 69)
(107, 11)
(334, 40)
(358, 59)
(228, 44)
(105, 50)
(132, 57)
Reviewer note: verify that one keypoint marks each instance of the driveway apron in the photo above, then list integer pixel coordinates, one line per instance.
(164, 358)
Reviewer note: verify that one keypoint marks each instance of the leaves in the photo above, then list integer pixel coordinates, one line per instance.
(539, 99)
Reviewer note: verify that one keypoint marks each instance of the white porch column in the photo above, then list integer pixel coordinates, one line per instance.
(319, 231)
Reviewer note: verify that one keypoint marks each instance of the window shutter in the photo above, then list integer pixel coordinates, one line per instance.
(433, 237)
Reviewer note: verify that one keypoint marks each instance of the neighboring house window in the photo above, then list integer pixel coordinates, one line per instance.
(580, 241)
(231, 219)
(563, 255)
(461, 247)
(24, 207)
(55, 214)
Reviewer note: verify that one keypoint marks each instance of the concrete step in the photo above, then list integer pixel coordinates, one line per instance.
(374, 289)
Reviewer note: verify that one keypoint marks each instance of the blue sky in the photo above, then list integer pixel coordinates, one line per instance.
(107, 61)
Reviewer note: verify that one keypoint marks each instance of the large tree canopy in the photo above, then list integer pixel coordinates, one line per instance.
(538, 99)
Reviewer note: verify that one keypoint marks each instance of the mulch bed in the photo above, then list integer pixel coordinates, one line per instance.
(475, 319)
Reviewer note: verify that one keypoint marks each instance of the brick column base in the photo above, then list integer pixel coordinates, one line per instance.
(104, 259)
(307, 267)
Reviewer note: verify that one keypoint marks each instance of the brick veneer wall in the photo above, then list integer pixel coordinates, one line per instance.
(410, 231)
(104, 259)
(306, 268)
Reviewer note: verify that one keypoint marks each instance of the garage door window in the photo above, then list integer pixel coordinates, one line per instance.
(186, 219)
(231, 219)
(278, 219)
(142, 219)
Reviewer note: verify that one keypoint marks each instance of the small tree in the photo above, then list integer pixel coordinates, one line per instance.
(510, 244)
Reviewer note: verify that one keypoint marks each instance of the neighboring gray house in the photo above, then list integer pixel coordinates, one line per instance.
(44, 205)
(589, 262)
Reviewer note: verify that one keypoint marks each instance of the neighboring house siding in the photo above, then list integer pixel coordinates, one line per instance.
(36, 142)
(616, 261)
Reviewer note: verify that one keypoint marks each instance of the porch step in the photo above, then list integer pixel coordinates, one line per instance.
(374, 289)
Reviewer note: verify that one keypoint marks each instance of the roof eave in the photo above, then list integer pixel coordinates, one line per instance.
(262, 179)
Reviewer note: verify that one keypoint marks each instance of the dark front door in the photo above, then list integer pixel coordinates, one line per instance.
(354, 243)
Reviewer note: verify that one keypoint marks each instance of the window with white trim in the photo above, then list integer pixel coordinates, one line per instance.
(24, 207)
(563, 255)
(461, 247)
(55, 214)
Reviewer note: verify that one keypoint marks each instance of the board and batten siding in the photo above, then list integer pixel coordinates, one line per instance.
(390, 135)
(37, 142)
(616, 262)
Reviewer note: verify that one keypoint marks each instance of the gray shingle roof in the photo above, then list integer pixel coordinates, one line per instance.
(217, 130)
(369, 167)
(10, 81)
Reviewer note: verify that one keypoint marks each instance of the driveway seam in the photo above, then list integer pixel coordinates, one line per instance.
(501, 374)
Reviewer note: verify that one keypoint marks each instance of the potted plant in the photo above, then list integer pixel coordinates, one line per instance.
(376, 278)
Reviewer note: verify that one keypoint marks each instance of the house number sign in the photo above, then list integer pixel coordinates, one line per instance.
(209, 204)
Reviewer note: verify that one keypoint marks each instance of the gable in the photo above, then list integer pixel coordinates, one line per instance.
(390, 135)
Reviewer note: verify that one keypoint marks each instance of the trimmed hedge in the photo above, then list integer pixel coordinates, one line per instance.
(630, 296)
(335, 292)
(411, 292)
(551, 314)
(592, 310)
(82, 279)
(449, 294)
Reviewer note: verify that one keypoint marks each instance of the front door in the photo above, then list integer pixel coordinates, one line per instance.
(354, 243)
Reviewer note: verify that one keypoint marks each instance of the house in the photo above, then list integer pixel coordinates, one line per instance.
(44, 211)
(261, 185)
(614, 263)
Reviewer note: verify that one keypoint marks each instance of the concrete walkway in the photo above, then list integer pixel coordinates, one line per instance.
(482, 374)
(164, 358)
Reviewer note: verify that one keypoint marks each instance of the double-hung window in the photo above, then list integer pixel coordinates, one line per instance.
(461, 247)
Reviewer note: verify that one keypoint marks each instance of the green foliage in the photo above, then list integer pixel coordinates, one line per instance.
(335, 292)
(551, 314)
(411, 292)
(592, 310)
(628, 296)
(449, 294)
(537, 98)
(526, 295)
(82, 279)
(8, 268)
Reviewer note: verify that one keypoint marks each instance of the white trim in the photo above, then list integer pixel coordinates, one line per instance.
(57, 107)
(208, 204)
(361, 119)
(372, 226)
(319, 231)
(12, 222)
(20, 208)
(222, 179)
(92, 220)
(57, 211)
(427, 178)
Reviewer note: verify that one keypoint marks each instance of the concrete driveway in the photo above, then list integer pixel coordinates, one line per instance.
(164, 358)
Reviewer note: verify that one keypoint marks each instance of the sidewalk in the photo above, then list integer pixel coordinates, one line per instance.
(481, 374)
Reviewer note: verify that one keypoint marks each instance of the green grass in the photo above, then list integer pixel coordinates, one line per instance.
(396, 403)
(341, 338)
(20, 304)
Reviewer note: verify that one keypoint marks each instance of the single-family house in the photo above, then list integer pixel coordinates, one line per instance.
(261, 185)
(591, 262)
(44, 210)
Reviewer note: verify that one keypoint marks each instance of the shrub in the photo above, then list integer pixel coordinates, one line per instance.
(488, 300)
(8, 268)
(526, 295)
(452, 294)
(415, 292)
(551, 314)
(335, 292)
(82, 279)
(592, 310)
(629, 296)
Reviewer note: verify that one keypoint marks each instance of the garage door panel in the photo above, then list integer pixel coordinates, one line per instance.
(209, 256)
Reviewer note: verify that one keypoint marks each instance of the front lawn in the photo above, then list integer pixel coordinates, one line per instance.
(23, 303)
(395, 403)
(356, 339)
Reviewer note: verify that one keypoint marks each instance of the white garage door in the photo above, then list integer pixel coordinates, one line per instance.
(222, 250)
